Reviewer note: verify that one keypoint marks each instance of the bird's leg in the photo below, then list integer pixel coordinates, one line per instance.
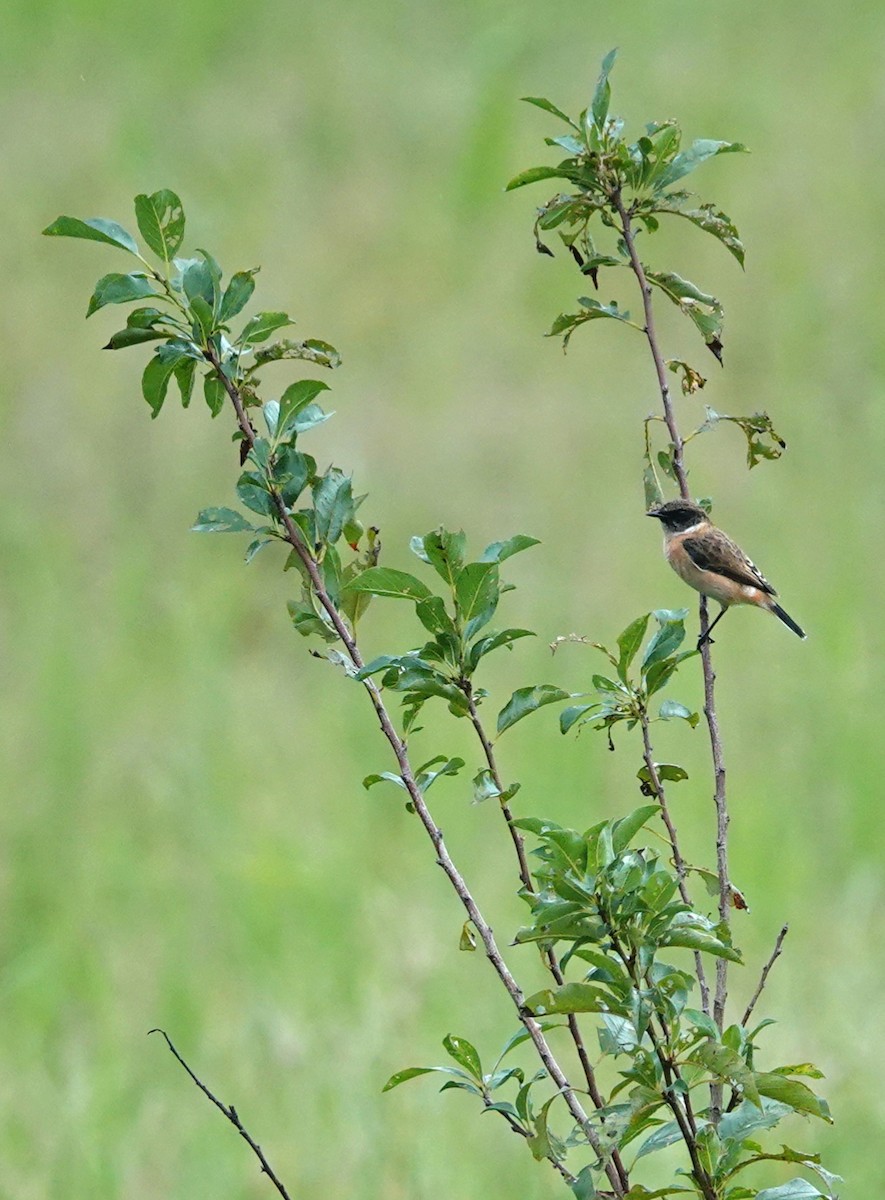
(706, 639)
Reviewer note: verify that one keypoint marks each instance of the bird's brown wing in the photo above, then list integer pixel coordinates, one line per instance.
(716, 552)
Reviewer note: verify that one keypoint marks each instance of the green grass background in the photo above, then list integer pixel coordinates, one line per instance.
(184, 840)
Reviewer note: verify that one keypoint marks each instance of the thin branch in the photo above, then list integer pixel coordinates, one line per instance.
(651, 335)
(657, 787)
(519, 1128)
(720, 800)
(231, 1113)
(775, 955)
(550, 959)
(444, 860)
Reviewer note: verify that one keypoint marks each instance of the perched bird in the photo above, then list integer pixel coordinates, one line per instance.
(710, 562)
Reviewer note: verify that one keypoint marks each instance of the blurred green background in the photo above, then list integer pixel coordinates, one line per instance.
(185, 841)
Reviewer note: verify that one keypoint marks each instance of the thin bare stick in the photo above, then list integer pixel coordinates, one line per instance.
(397, 744)
(775, 955)
(231, 1113)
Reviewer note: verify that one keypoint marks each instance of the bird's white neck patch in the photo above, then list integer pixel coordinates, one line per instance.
(694, 528)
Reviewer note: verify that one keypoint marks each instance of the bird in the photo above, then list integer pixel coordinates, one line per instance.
(710, 562)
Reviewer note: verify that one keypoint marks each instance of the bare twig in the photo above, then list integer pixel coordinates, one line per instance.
(398, 745)
(231, 1113)
(775, 955)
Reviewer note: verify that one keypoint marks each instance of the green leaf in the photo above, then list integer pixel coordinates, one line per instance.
(790, 1091)
(184, 376)
(476, 595)
(493, 642)
(160, 218)
(548, 106)
(431, 612)
(796, 1189)
(294, 400)
(333, 504)
(569, 716)
(133, 337)
(291, 473)
(414, 1072)
(484, 786)
(672, 710)
(726, 1064)
(221, 520)
(214, 391)
(444, 551)
(698, 939)
(119, 289)
(624, 830)
(666, 1135)
(629, 642)
(155, 383)
(385, 581)
(535, 175)
(711, 220)
(95, 229)
(602, 95)
(666, 640)
(384, 777)
(464, 1053)
(261, 326)
(252, 490)
(198, 283)
(527, 700)
(688, 160)
(498, 551)
(425, 776)
(237, 294)
(571, 998)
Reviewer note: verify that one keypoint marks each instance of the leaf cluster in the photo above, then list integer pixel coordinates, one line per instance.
(615, 182)
(625, 696)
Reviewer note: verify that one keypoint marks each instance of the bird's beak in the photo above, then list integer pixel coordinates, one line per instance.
(653, 512)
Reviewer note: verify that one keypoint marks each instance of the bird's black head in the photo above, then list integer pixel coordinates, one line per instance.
(678, 515)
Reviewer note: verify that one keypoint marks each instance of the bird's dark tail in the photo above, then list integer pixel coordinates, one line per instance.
(788, 620)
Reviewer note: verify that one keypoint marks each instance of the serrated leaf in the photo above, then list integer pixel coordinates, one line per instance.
(160, 218)
(94, 229)
(528, 700)
(120, 289)
(221, 520)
